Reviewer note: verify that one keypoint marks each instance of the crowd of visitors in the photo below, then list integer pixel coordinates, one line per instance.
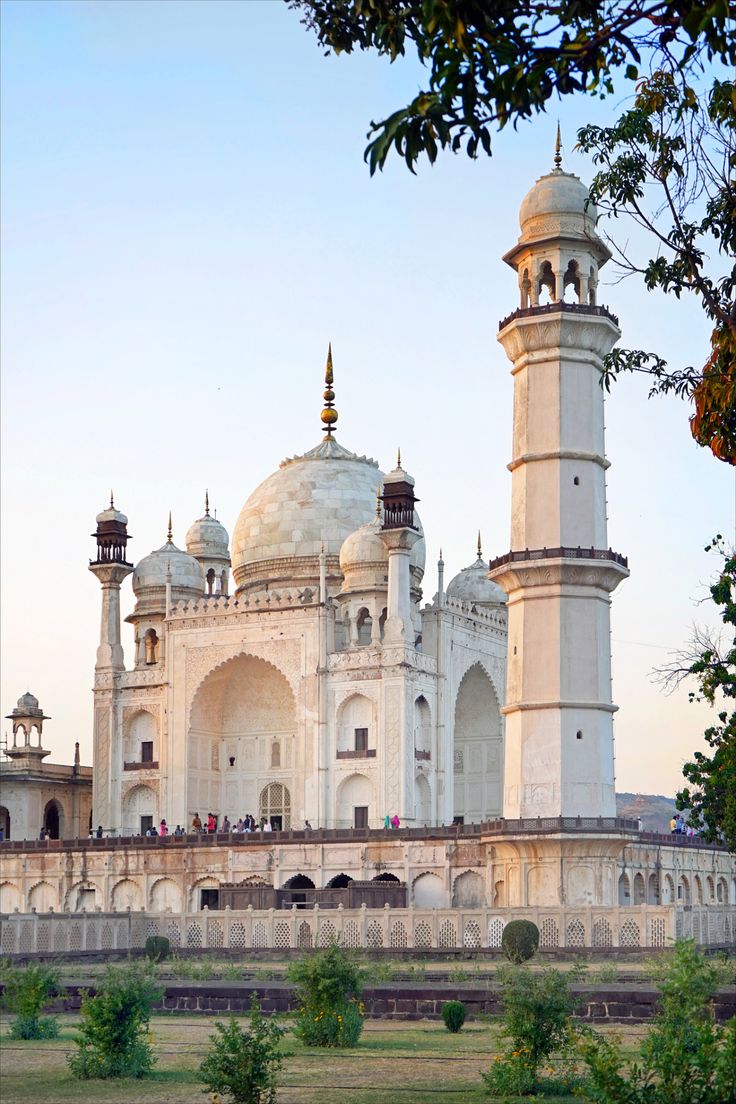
(678, 827)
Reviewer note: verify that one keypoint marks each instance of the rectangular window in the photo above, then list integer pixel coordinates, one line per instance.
(361, 739)
(360, 815)
(146, 823)
(147, 751)
(209, 898)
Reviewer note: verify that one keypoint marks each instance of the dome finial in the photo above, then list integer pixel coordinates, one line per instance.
(329, 414)
(378, 502)
(398, 457)
(558, 150)
(112, 501)
(480, 547)
(206, 503)
(170, 534)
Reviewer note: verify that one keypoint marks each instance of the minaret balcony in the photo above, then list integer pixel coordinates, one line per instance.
(538, 567)
(556, 308)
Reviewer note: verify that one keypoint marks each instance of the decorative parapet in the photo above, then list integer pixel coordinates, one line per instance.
(562, 553)
(624, 927)
(360, 659)
(262, 601)
(558, 308)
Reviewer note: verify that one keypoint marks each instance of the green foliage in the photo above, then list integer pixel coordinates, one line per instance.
(668, 163)
(243, 1064)
(157, 948)
(711, 662)
(520, 940)
(27, 991)
(328, 985)
(113, 1037)
(538, 1007)
(453, 1013)
(686, 1055)
(494, 64)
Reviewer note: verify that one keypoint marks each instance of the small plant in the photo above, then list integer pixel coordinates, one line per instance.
(328, 985)
(157, 948)
(686, 1054)
(453, 1013)
(520, 941)
(243, 1064)
(538, 1009)
(113, 1038)
(607, 973)
(458, 976)
(27, 991)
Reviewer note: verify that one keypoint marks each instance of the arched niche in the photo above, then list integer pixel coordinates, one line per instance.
(624, 890)
(422, 726)
(43, 897)
(239, 712)
(422, 802)
(640, 894)
(126, 894)
(274, 805)
(355, 724)
(140, 738)
(139, 810)
(428, 891)
(580, 886)
(4, 823)
(355, 804)
(339, 881)
(53, 819)
(477, 748)
(9, 897)
(165, 896)
(468, 891)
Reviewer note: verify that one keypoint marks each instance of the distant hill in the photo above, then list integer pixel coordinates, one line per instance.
(654, 810)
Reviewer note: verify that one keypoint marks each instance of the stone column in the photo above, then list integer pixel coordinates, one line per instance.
(398, 628)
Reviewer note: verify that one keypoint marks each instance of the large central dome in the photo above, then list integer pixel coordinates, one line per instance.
(316, 499)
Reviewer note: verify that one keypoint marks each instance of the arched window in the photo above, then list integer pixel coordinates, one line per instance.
(639, 890)
(624, 890)
(210, 580)
(275, 754)
(422, 728)
(546, 284)
(571, 283)
(4, 823)
(340, 881)
(275, 805)
(365, 627)
(151, 645)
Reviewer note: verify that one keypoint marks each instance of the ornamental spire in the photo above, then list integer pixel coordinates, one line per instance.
(329, 414)
(378, 502)
(206, 503)
(558, 150)
(480, 547)
(112, 501)
(170, 534)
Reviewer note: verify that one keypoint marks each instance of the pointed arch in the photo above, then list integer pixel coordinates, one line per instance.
(477, 747)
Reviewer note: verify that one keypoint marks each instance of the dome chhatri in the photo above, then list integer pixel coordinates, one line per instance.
(207, 535)
(473, 585)
(167, 564)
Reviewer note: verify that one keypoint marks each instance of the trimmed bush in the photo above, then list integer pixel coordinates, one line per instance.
(520, 941)
(157, 948)
(453, 1013)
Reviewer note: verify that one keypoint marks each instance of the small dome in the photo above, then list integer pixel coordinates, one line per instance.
(557, 194)
(28, 701)
(111, 514)
(207, 537)
(187, 577)
(364, 546)
(473, 585)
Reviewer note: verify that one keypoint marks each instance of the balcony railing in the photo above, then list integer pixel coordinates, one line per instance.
(151, 765)
(364, 753)
(563, 553)
(556, 308)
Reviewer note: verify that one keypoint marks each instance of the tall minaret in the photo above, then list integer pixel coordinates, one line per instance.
(110, 567)
(560, 572)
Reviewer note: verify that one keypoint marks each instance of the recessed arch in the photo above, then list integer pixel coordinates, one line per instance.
(354, 793)
(126, 894)
(468, 890)
(339, 881)
(429, 892)
(4, 822)
(477, 747)
(298, 881)
(140, 737)
(274, 806)
(43, 897)
(139, 810)
(53, 819)
(386, 877)
(10, 899)
(165, 896)
(355, 723)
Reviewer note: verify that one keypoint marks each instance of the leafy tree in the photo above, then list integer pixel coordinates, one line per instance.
(244, 1064)
(711, 662)
(668, 162)
(27, 990)
(686, 1055)
(113, 1037)
(492, 64)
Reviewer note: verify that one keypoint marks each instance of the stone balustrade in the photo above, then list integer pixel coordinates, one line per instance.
(394, 929)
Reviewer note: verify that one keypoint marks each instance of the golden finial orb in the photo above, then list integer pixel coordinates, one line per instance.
(329, 415)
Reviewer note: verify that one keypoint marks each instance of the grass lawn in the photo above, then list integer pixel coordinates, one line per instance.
(418, 1062)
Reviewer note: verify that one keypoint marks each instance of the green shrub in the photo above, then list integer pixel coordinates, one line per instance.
(328, 985)
(27, 991)
(520, 940)
(453, 1013)
(157, 948)
(686, 1055)
(113, 1038)
(244, 1064)
(538, 1008)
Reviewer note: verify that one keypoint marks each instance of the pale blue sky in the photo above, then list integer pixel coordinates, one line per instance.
(187, 221)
